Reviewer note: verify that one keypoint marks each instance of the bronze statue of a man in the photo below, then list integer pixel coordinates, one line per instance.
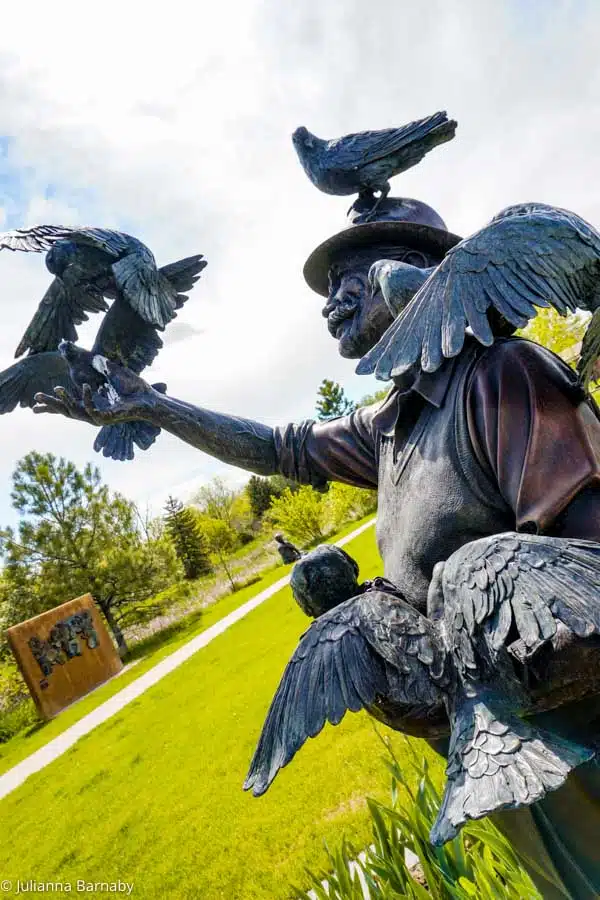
(499, 438)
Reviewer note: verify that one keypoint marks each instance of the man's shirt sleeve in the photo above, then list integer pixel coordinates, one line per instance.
(535, 434)
(342, 449)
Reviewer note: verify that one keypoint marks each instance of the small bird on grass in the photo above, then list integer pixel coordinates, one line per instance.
(126, 344)
(364, 162)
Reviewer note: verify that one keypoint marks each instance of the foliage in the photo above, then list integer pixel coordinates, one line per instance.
(343, 503)
(556, 332)
(221, 540)
(216, 501)
(478, 863)
(189, 542)
(260, 492)
(332, 401)
(75, 537)
(377, 397)
(301, 515)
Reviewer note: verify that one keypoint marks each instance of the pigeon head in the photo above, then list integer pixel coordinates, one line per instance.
(397, 281)
(68, 350)
(303, 139)
(323, 579)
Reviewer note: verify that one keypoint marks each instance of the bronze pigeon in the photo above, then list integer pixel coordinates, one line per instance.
(364, 162)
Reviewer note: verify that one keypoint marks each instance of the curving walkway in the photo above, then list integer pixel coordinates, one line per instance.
(59, 745)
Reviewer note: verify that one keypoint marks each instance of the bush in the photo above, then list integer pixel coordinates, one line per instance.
(344, 503)
(17, 719)
(479, 862)
(300, 514)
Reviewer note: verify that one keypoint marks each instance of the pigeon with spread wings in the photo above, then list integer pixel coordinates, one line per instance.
(89, 265)
(530, 255)
(495, 600)
(125, 343)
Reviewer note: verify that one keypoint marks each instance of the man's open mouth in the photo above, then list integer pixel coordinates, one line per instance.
(339, 315)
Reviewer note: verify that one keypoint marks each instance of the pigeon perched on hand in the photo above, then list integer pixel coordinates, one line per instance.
(124, 346)
(90, 264)
(364, 162)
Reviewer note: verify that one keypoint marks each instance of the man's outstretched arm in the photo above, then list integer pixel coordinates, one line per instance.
(340, 450)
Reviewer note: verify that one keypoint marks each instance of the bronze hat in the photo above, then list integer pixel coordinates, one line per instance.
(397, 221)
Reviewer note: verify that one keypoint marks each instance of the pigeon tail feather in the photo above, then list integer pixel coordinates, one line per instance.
(498, 761)
(116, 441)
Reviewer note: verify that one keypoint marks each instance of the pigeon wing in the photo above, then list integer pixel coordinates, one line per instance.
(333, 669)
(368, 647)
(529, 256)
(36, 239)
(364, 147)
(515, 583)
(183, 275)
(126, 338)
(60, 310)
(40, 373)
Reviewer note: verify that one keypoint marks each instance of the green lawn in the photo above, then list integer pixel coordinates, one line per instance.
(154, 795)
(152, 651)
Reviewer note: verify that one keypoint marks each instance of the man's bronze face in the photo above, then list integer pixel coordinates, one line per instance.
(356, 317)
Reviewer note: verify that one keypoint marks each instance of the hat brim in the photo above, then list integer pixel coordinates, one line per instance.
(406, 234)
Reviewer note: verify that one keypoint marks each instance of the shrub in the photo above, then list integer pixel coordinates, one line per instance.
(299, 514)
(344, 503)
(479, 862)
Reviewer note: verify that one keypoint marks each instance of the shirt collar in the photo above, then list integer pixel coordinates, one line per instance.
(431, 386)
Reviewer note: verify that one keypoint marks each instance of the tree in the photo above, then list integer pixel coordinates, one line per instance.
(221, 540)
(377, 397)
(190, 545)
(75, 537)
(299, 514)
(557, 333)
(216, 500)
(343, 503)
(332, 401)
(260, 492)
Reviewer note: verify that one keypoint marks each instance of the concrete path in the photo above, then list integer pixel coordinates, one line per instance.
(59, 745)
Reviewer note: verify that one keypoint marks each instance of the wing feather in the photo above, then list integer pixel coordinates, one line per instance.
(530, 583)
(39, 373)
(342, 663)
(36, 239)
(528, 256)
(419, 137)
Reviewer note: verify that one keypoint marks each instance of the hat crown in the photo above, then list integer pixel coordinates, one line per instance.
(394, 209)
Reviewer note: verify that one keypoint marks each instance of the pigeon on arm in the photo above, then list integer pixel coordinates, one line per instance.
(530, 255)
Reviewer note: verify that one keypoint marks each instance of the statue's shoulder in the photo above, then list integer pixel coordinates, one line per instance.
(516, 361)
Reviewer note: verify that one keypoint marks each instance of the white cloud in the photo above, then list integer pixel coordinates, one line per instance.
(173, 122)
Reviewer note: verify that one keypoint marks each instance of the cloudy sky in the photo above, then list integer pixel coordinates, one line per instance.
(172, 121)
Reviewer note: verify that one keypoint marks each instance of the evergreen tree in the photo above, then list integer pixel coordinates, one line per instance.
(332, 401)
(188, 540)
(75, 536)
(261, 492)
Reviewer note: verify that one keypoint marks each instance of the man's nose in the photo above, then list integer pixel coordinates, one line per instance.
(333, 300)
